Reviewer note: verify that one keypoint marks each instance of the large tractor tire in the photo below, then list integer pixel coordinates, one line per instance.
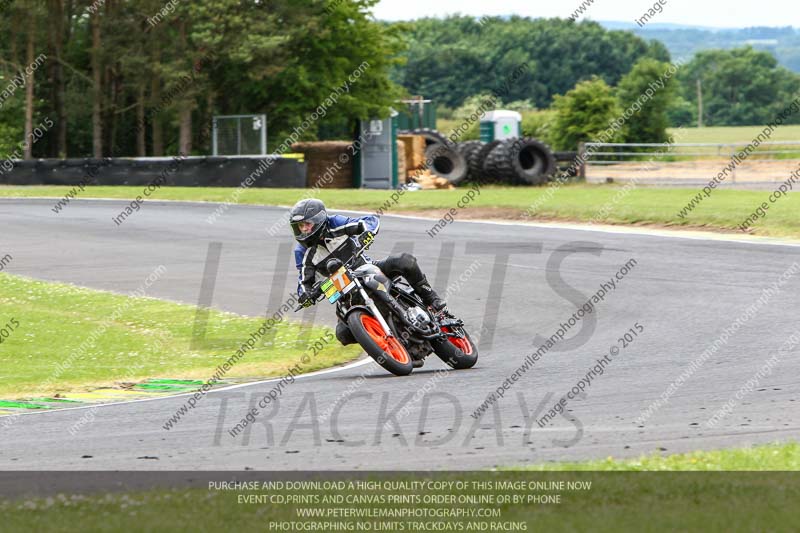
(471, 150)
(495, 166)
(446, 162)
(431, 136)
(532, 161)
(521, 161)
(481, 159)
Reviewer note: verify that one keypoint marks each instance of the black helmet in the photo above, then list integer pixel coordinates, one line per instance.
(309, 210)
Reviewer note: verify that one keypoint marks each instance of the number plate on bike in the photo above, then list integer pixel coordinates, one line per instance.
(336, 285)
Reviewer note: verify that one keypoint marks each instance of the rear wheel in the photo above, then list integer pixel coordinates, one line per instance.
(458, 352)
(388, 352)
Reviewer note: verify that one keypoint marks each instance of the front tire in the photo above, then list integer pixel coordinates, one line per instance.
(387, 352)
(458, 353)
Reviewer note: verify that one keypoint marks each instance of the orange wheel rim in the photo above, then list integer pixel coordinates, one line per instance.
(389, 345)
(462, 343)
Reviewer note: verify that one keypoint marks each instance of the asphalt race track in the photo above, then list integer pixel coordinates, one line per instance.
(527, 280)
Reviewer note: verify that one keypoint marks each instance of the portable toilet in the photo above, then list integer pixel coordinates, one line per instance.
(375, 148)
(500, 125)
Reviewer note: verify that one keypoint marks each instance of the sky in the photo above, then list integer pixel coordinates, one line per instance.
(714, 13)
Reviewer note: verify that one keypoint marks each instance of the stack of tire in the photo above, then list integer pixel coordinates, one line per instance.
(443, 154)
(524, 161)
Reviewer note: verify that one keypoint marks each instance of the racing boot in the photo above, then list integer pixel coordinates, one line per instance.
(429, 296)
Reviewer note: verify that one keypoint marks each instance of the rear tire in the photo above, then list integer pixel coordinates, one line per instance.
(389, 353)
(456, 353)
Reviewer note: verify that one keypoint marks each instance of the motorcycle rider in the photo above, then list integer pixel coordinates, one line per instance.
(318, 234)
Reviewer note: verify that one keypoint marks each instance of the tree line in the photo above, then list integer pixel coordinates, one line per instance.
(137, 77)
(141, 77)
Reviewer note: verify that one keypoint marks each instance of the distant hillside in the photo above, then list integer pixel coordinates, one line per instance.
(683, 41)
(625, 25)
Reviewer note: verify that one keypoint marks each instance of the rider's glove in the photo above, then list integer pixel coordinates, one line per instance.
(307, 299)
(366, 239)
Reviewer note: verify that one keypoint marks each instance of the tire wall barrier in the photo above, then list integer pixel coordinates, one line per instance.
(173, 171)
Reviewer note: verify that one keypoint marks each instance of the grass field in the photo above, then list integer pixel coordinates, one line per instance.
(773, 457)
(727, 134)
(607, 204)
(65, 338)
(587, 501)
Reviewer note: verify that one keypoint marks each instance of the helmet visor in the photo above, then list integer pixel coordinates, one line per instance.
(304, 227)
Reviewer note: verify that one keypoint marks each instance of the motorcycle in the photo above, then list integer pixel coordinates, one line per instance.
(386, 316)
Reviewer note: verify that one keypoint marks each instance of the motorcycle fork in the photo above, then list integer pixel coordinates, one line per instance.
(374, 308)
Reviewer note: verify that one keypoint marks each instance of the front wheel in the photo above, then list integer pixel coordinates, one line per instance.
(458, 352)
(387, 351)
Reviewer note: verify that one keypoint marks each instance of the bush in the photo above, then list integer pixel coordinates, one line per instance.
(539, 125)
(520, 106)
(649, 122)
(584, 114)
(682, 113)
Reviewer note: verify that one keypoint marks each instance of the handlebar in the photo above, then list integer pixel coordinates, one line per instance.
(317, 299)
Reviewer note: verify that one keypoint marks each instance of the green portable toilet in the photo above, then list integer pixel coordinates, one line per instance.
(500, 125)
(375, 165)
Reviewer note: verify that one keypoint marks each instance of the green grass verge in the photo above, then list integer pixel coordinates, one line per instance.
(776, 457)
(70, 338)
(613, 502)
(608, 204)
